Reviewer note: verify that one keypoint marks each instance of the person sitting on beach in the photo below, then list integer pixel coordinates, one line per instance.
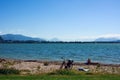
(88, 61)
(69, 64)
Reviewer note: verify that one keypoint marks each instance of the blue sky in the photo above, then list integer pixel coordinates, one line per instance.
(63, 19)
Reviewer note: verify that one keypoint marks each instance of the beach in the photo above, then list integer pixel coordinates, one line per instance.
(40, 67)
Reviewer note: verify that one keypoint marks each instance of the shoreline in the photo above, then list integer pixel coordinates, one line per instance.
(45, 66)
(59, 62)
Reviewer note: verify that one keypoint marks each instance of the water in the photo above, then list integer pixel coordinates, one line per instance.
(103, 53)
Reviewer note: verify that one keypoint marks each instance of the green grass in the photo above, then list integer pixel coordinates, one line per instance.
(63, 75)
(7, 71)
(63, 72)
(60, 77)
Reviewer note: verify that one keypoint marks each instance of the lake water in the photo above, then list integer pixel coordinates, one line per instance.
(98, 52)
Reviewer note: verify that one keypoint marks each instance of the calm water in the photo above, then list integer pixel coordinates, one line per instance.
(104, 52)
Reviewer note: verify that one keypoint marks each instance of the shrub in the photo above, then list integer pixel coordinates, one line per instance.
(63, 72)
(9, 71)
(89, 73)
(46, 63)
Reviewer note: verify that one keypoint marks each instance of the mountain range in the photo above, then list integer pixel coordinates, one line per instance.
(54, 39)
(102, 39)
(19, 37)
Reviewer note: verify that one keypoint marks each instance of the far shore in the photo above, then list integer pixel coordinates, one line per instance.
(45, 66)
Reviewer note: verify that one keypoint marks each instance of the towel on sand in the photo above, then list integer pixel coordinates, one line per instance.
(83, 69)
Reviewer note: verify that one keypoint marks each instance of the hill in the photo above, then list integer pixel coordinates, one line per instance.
(102, 39)
(1, 39)
(19, 37)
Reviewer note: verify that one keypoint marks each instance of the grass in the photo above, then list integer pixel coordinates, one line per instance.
(62, 75)
(63, 72)
(6, 71)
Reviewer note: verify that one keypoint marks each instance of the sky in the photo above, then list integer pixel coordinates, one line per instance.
(62, 19)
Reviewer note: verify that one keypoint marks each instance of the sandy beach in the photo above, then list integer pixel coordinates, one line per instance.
(39, 67)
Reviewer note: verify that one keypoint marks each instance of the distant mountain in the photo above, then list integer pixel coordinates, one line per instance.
(118, 41)
(54, 39)
(18, 37)
(107, 39)
(1, 39)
